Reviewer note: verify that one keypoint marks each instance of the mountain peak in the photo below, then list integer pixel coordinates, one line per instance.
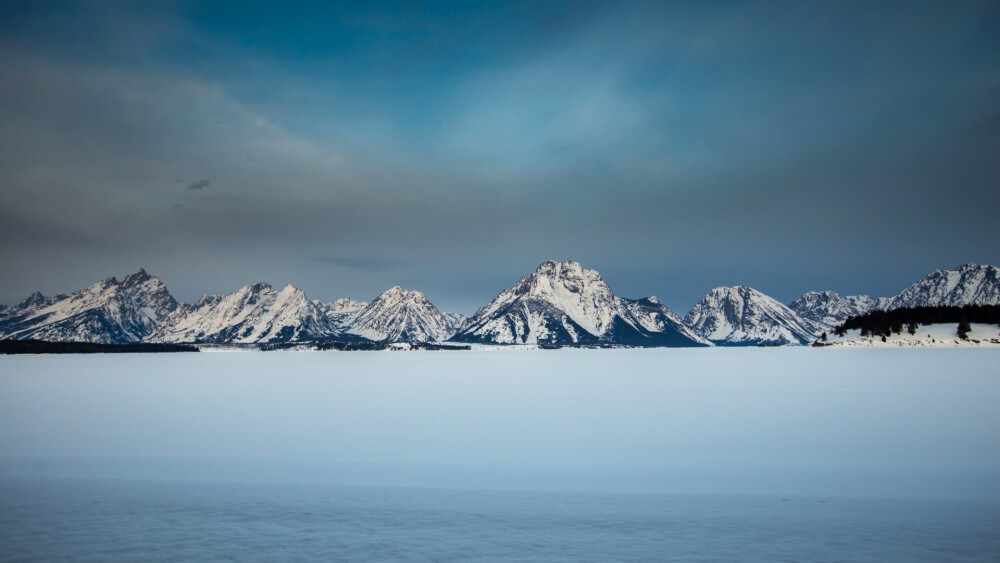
(258, 287)
(398, 315)
(401, 292)
(253, 313)
(554, 264)
(564, 303)
(108, 311)
(741, 315)
(564, 269)
(969, 284)
(137, 278)
(829, 308)
(35, 299)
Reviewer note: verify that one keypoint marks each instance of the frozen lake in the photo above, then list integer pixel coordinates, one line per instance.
(535, 455)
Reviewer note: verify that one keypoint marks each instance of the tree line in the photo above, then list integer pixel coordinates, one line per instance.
(884, 323)
(45, 347)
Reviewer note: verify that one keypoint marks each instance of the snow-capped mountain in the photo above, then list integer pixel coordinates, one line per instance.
(342, 312)
(401, 315)
(454, 320)
(563, 303)
(108, 312)
(968, 284)
(744, 316)
(255, 313)
(829, 308)
(31, 303)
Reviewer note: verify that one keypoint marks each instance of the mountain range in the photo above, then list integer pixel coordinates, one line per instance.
(560, 303)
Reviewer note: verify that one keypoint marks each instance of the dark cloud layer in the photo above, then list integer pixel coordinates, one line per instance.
(674, 148)
(366, 263)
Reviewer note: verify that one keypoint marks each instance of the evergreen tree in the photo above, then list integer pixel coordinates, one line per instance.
(963, 329)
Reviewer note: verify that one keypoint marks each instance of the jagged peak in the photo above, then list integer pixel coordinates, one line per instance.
(554, 264)
(971, 267)
(33, 299)
(962, 269)
(400, 314)
(137, 278)
(728, 290)
(749, 296)
(560, 269)
(825, 293)
(398, 291)
(208, 299)
(289, 288)
(258, 287)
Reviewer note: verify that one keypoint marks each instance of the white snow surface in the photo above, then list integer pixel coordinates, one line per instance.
(969, 284)
(944, 335)
(829, 308)
(792, 422)
(742, 315)
(254, 313)
(561, 299)
(402, 315)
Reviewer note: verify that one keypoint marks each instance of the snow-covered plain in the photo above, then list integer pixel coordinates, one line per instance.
(560, 455)
(911, 423)
(943, 335)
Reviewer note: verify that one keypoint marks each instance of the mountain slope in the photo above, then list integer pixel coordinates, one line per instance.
(401, 315)
(254, 313)
(969, 284)
(743, 316)
(341, 312)
(829, 308)
(108, 312)
(561, 303)
(454, 320)
(32, 303)
(657, 325)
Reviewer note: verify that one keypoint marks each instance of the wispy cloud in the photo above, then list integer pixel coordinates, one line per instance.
(199, 184)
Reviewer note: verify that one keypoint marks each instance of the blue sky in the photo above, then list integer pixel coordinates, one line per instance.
(451, 147)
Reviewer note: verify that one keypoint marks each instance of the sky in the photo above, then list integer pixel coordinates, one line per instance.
(451, 147)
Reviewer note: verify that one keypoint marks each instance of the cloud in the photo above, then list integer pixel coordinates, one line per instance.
(365, 263)
(674, 150)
